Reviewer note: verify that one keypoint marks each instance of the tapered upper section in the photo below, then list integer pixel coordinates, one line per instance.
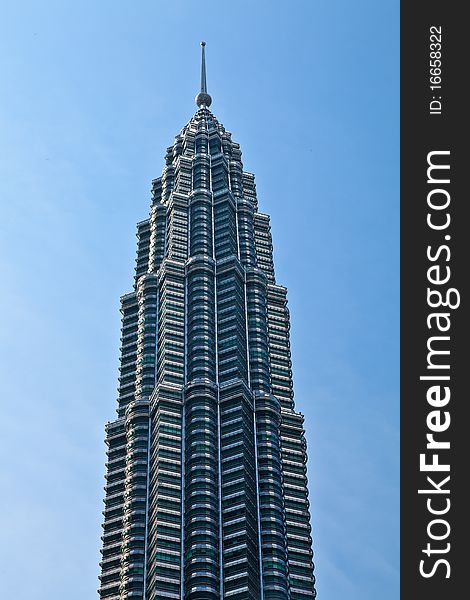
(203, 98)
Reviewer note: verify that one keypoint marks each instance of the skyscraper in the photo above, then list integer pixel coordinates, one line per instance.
(206, 489)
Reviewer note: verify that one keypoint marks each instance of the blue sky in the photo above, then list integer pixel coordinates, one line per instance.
(91, 94)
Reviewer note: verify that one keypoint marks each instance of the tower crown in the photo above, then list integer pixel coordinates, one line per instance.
(203, 98)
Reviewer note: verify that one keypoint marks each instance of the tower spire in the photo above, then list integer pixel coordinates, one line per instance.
(203, 69)
(203, 98)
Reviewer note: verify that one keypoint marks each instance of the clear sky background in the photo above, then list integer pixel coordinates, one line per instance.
(91, 94)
